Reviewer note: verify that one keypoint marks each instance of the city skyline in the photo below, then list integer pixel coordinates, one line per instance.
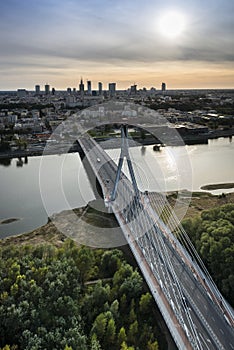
(187, 44)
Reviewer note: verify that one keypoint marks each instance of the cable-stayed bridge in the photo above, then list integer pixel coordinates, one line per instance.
(197, 315)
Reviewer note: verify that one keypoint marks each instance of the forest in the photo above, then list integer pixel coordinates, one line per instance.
(77, 298)
(73, 298)
(212, 234)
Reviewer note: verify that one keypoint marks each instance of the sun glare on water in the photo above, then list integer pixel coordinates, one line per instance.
(172, 24)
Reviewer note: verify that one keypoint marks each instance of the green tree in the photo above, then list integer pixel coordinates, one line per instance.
(132, 333)
(145, 304)
(95, 345)
(152, 346)
(122, 337)
(110, 262)
(125, 347)
(132, 314)
(84, 262)
(68, 347)
(110, 333)
(99, 326)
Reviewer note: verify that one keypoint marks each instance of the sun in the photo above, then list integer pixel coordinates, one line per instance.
(172, 24)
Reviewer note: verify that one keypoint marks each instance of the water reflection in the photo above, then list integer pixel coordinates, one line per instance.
(19, 161)
(5, 161)
(143, 149)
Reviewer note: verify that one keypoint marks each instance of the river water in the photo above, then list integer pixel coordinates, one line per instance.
(60, 182)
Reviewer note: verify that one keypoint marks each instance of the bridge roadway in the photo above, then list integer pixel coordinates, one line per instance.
(192, 315)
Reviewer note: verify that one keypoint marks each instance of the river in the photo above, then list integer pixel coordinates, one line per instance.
(60, 181)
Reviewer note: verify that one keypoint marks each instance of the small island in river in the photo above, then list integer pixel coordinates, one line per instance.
(8, 221)
(221, 186)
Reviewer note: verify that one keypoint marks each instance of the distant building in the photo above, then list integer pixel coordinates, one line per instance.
(133, 89)
(53, 91)
(100, 88)
(112, 89)
(89, 87)
(163, 86)
(81, 86)
(69, 90)
(70, 101)
(47, 89)
(37, 89)
(22, 92)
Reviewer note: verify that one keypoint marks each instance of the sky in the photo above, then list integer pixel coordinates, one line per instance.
(124, 41)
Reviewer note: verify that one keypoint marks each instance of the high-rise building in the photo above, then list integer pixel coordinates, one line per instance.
(37, 89)
(69, 90)
(133, 89)
(163, 86)
(47, 89)
(100, 88)
(112, 89)
(81, 86)
(89, 87)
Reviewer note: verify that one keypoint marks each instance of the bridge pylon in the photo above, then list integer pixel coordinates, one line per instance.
(124, 154)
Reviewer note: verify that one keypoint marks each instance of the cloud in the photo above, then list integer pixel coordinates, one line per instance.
(55, 35)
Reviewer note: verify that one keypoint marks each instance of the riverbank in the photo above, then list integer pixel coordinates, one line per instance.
(48, 233)
(109, 143)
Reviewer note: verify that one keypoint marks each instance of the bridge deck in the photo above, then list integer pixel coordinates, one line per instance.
(187, 304)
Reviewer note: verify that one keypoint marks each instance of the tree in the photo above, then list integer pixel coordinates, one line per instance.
(132, 314)
(110, 262)
(145, 304)
(114, 308)
(110, 333)
(67, 347)
(99, 326)
(125, 347)
(132, 333)
(152, 346)
(122, 337)
(95, 345)
(132, 285)
(84, 262)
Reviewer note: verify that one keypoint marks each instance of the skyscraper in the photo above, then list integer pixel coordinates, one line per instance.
(163, 86)
(100, 88)
(81, 86)
(37, 89)
(89, 87)
(47, 89)
(112, 89)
